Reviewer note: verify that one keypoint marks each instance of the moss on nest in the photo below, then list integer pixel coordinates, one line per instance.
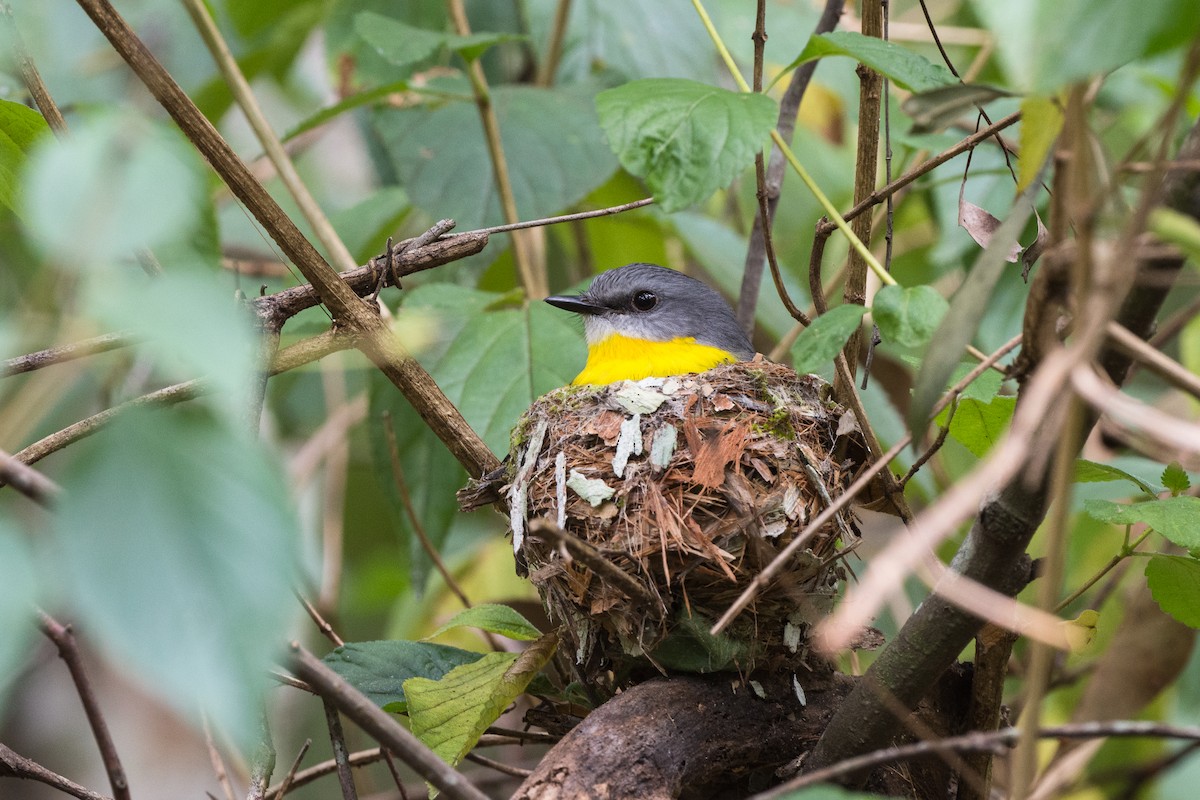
(689, 486)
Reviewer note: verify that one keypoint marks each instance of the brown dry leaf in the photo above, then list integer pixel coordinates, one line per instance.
(714, 446)
(723, 402)
(982, 225)
(606, 425)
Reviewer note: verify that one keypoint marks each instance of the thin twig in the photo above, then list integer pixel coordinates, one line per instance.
(341, 755)
(491, 763)
(324, 627)
(68, 651)
(30, 75)
(395, 773)
(218, 763)
(1154, 360)
(286, 783)
(64, 352)
(410, 511)
(577, 216)
(28, 481)
(381, 726)
(558, 32)
(360, 758)
(17, 766)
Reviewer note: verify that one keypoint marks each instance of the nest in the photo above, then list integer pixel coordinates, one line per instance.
(641, 510)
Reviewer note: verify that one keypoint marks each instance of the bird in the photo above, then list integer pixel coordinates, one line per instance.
(642, 320)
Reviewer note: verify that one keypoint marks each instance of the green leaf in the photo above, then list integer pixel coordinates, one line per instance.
(979, 425)
(403, 45)
(379, 669)
(819, 343)
(493, 618)
(690, 647)
(178, 545)
(1041, 120)
(902, 67)
(1176, 518)
(555, 152)
(1177, 228)
(17, 598)
(1175, 479)
(908, 316)
(1045, 46)
(20, 128)
(352, 102)
(962, 320)
(365, 226)
(451, 714)
(1093, 472)
(1175, 585)
(119, 182)
(685, 139)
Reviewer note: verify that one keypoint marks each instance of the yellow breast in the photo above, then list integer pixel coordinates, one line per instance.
(621, 358)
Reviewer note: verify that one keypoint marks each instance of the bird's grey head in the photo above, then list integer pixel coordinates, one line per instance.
(645, 301)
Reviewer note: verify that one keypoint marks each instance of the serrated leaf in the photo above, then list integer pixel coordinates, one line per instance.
(962, 320)
(379, 669)
(1174, 583)
(902, 66)
(450, 714)
(818, 345)
(553, 145)
(908, 316)
(1176, 518)
(20, 128)
(979, 425)
(493, 618)
(1041, 120)
(685, 139)
(1093, 472)
(1175, 479)
(403, 45)
(178, 545)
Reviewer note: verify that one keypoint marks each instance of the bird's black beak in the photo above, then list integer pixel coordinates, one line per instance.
(577, 304)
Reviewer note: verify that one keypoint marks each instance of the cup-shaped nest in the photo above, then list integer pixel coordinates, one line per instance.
(641, 510)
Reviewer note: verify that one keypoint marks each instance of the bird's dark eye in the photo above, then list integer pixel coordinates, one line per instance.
(644, 300)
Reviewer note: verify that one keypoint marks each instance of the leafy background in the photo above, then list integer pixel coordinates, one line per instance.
(182, 536)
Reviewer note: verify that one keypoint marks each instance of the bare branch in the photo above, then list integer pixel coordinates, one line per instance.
(17, 766)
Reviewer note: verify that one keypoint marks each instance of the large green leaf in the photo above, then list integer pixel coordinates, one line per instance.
(1093, 472)
(903, 67)
(379, 669)
(451, 714)
(979, 425)
(631, 38)
(1177, 518)
(685, 139)
(119, 182)
(1044, 46)
(20, 127)
(178, 546)
(908, 316)
(404, 45)
(819, 343)
(552, 145)
(1175, 585)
